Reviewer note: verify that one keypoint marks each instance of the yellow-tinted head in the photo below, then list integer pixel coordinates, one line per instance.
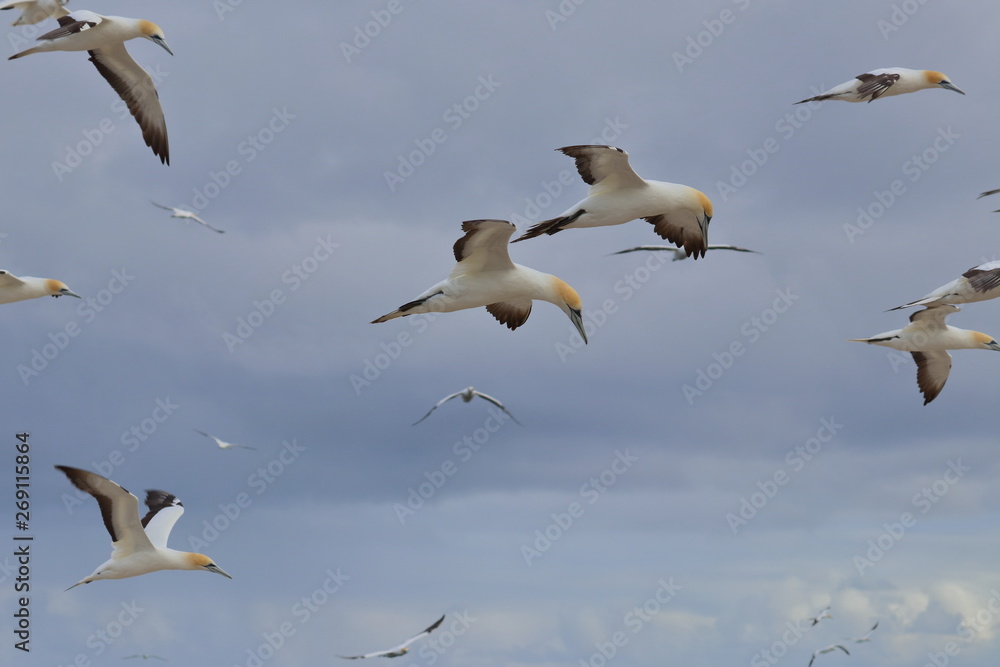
(987, 341)
(705, 202)
(940, 79)
(203, 562)
(152, 32)
(567, 294)
(59, 288)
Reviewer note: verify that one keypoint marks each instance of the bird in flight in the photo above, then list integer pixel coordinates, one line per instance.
(396, 651)
(467, 395)
(222, 443)
(186, 215)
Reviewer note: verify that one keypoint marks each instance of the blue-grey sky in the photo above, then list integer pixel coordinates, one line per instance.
(716, 466)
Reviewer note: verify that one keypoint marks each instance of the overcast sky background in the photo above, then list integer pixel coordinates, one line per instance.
(312, 196)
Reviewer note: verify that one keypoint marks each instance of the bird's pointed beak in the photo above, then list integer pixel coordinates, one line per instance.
(162, 42)
(577, 317)
(950, 86)
(218, 570)
(67, 292)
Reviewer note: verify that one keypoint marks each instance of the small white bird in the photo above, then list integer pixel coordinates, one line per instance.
(680, 253)
(13, 288)
(823, 613)
(33, 11)
(467, 395)
(222, 443)
(184, 214)
(617, 194)
(137, 547)
(828, 649)
(928, 338)
(485, 276)
(104, 37)
(870, 86)
(867, 637)
(396, 651)
(980, 283)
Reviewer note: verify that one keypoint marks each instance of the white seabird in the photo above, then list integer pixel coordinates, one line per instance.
(222, 443)
(867, 637)
(980, 283)
(485, 276)
(396, 651)
(887, 82)
(823, 613)
(138, 547)
(185, 215)
(828, 649)
(928, 338)
(33, 11)
(678, 213)
(104, 37)
(14, 289)
(467, 395)
(680, 253)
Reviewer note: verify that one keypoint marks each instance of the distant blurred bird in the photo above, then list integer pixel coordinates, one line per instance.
(680, 253)
(866, 637)
(144, 656)
(678, 213)
(980, 283)
(887, 82)
(222, 443)
(928, 338)
(485, 276)
(828, 649)
(823, 613)
(104, 37)
(396, 651)
(467, 395)
(14, 289)
(137, 547)
(188, 215)
(33, 11)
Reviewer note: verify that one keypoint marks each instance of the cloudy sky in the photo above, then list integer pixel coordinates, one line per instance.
(716, 466)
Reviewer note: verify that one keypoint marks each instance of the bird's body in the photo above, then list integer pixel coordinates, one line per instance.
(485, 276)
(467, 395)
(678, 213)
(144, 656)
(928, 338)
(14, 289)
(104, 38)
(828, 649)
(33, 11)
(186, 215)
(823, 613)
(222, 444)
(887, 82)
(396, 651)
(680, 253)
(980, 283)
(138, 547)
